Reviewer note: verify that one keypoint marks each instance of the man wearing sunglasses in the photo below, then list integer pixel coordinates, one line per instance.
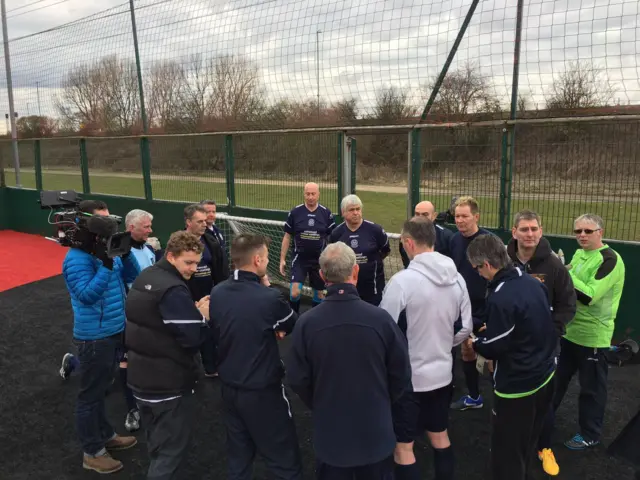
(597, 272)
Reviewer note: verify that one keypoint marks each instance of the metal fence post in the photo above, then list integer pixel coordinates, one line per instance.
(3, 182)
(84, 167)
(509, 153)
(340, 169)
(145, 158)
(353, 164)
(145, 151)
(414, 168)
(229, 167)
(7, 64)
(37, 164)
(347, 164)
(504, 195)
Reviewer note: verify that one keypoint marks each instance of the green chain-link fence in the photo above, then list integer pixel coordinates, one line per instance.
(558, 168)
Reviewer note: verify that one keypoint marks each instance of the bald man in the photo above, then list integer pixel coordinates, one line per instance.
(310, 225)
(427, 209)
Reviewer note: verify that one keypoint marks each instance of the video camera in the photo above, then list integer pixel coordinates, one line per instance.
(448, 216)
(73, 227)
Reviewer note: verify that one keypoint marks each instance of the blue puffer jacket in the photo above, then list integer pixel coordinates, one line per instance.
(97, 293)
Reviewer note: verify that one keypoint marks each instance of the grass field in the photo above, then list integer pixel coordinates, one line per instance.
(388, 209)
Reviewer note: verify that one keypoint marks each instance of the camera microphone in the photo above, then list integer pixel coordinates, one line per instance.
(102, 226)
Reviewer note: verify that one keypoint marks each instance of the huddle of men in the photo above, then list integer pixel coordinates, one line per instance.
(373, 360)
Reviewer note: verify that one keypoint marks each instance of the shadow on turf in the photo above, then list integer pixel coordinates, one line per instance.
(37, 437)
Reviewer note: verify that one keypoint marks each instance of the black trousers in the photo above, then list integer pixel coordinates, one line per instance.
(593, 370)
(209, 352)
(626, 445)
(168, 425)
(517, 423)
(383, 470)
(260, 421)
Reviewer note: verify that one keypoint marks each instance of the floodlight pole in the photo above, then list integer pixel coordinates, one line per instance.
(318, 32)
(12, 116)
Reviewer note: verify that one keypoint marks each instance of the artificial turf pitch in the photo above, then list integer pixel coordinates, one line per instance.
(37, 431)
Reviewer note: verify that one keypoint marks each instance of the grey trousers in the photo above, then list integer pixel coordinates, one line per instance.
(168, 426)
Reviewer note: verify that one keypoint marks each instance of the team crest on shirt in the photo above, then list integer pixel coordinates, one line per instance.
(354, 243)
(312, 222)
(538, 276)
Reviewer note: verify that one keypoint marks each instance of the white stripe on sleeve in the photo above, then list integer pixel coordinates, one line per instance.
(283, 320)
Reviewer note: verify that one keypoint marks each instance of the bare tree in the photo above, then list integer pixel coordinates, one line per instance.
(462, 92)
(237, 90)
(81, 102)
(164, 89)
(119, 89)
(221, 88)
(523, 103)
(103, 96)
(276, 115)
(197, 85)
(296, 113)
(392, 104)
(347, 109)
(582, 85)
(35, 126)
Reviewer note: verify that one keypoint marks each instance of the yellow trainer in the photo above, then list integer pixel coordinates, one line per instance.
(549, 464)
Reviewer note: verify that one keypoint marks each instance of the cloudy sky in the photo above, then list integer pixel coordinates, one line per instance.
(364, 44)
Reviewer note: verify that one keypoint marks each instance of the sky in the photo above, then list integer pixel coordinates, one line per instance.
(363, 45)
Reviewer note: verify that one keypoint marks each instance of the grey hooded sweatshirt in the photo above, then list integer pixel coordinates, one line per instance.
(425, 300)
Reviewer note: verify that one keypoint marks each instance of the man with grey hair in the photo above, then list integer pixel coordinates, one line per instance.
(138, 223)
(597, 272)
(427, 300)
(520, 338)
(349, 363)
(370, 244)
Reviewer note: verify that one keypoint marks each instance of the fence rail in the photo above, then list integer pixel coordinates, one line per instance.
(560, 169)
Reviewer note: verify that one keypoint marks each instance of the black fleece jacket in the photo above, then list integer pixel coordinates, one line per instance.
(548, 269)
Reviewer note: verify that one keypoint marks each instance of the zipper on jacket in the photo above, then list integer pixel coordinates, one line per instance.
(375, 278)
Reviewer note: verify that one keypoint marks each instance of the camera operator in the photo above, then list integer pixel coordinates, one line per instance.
(96, 284)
